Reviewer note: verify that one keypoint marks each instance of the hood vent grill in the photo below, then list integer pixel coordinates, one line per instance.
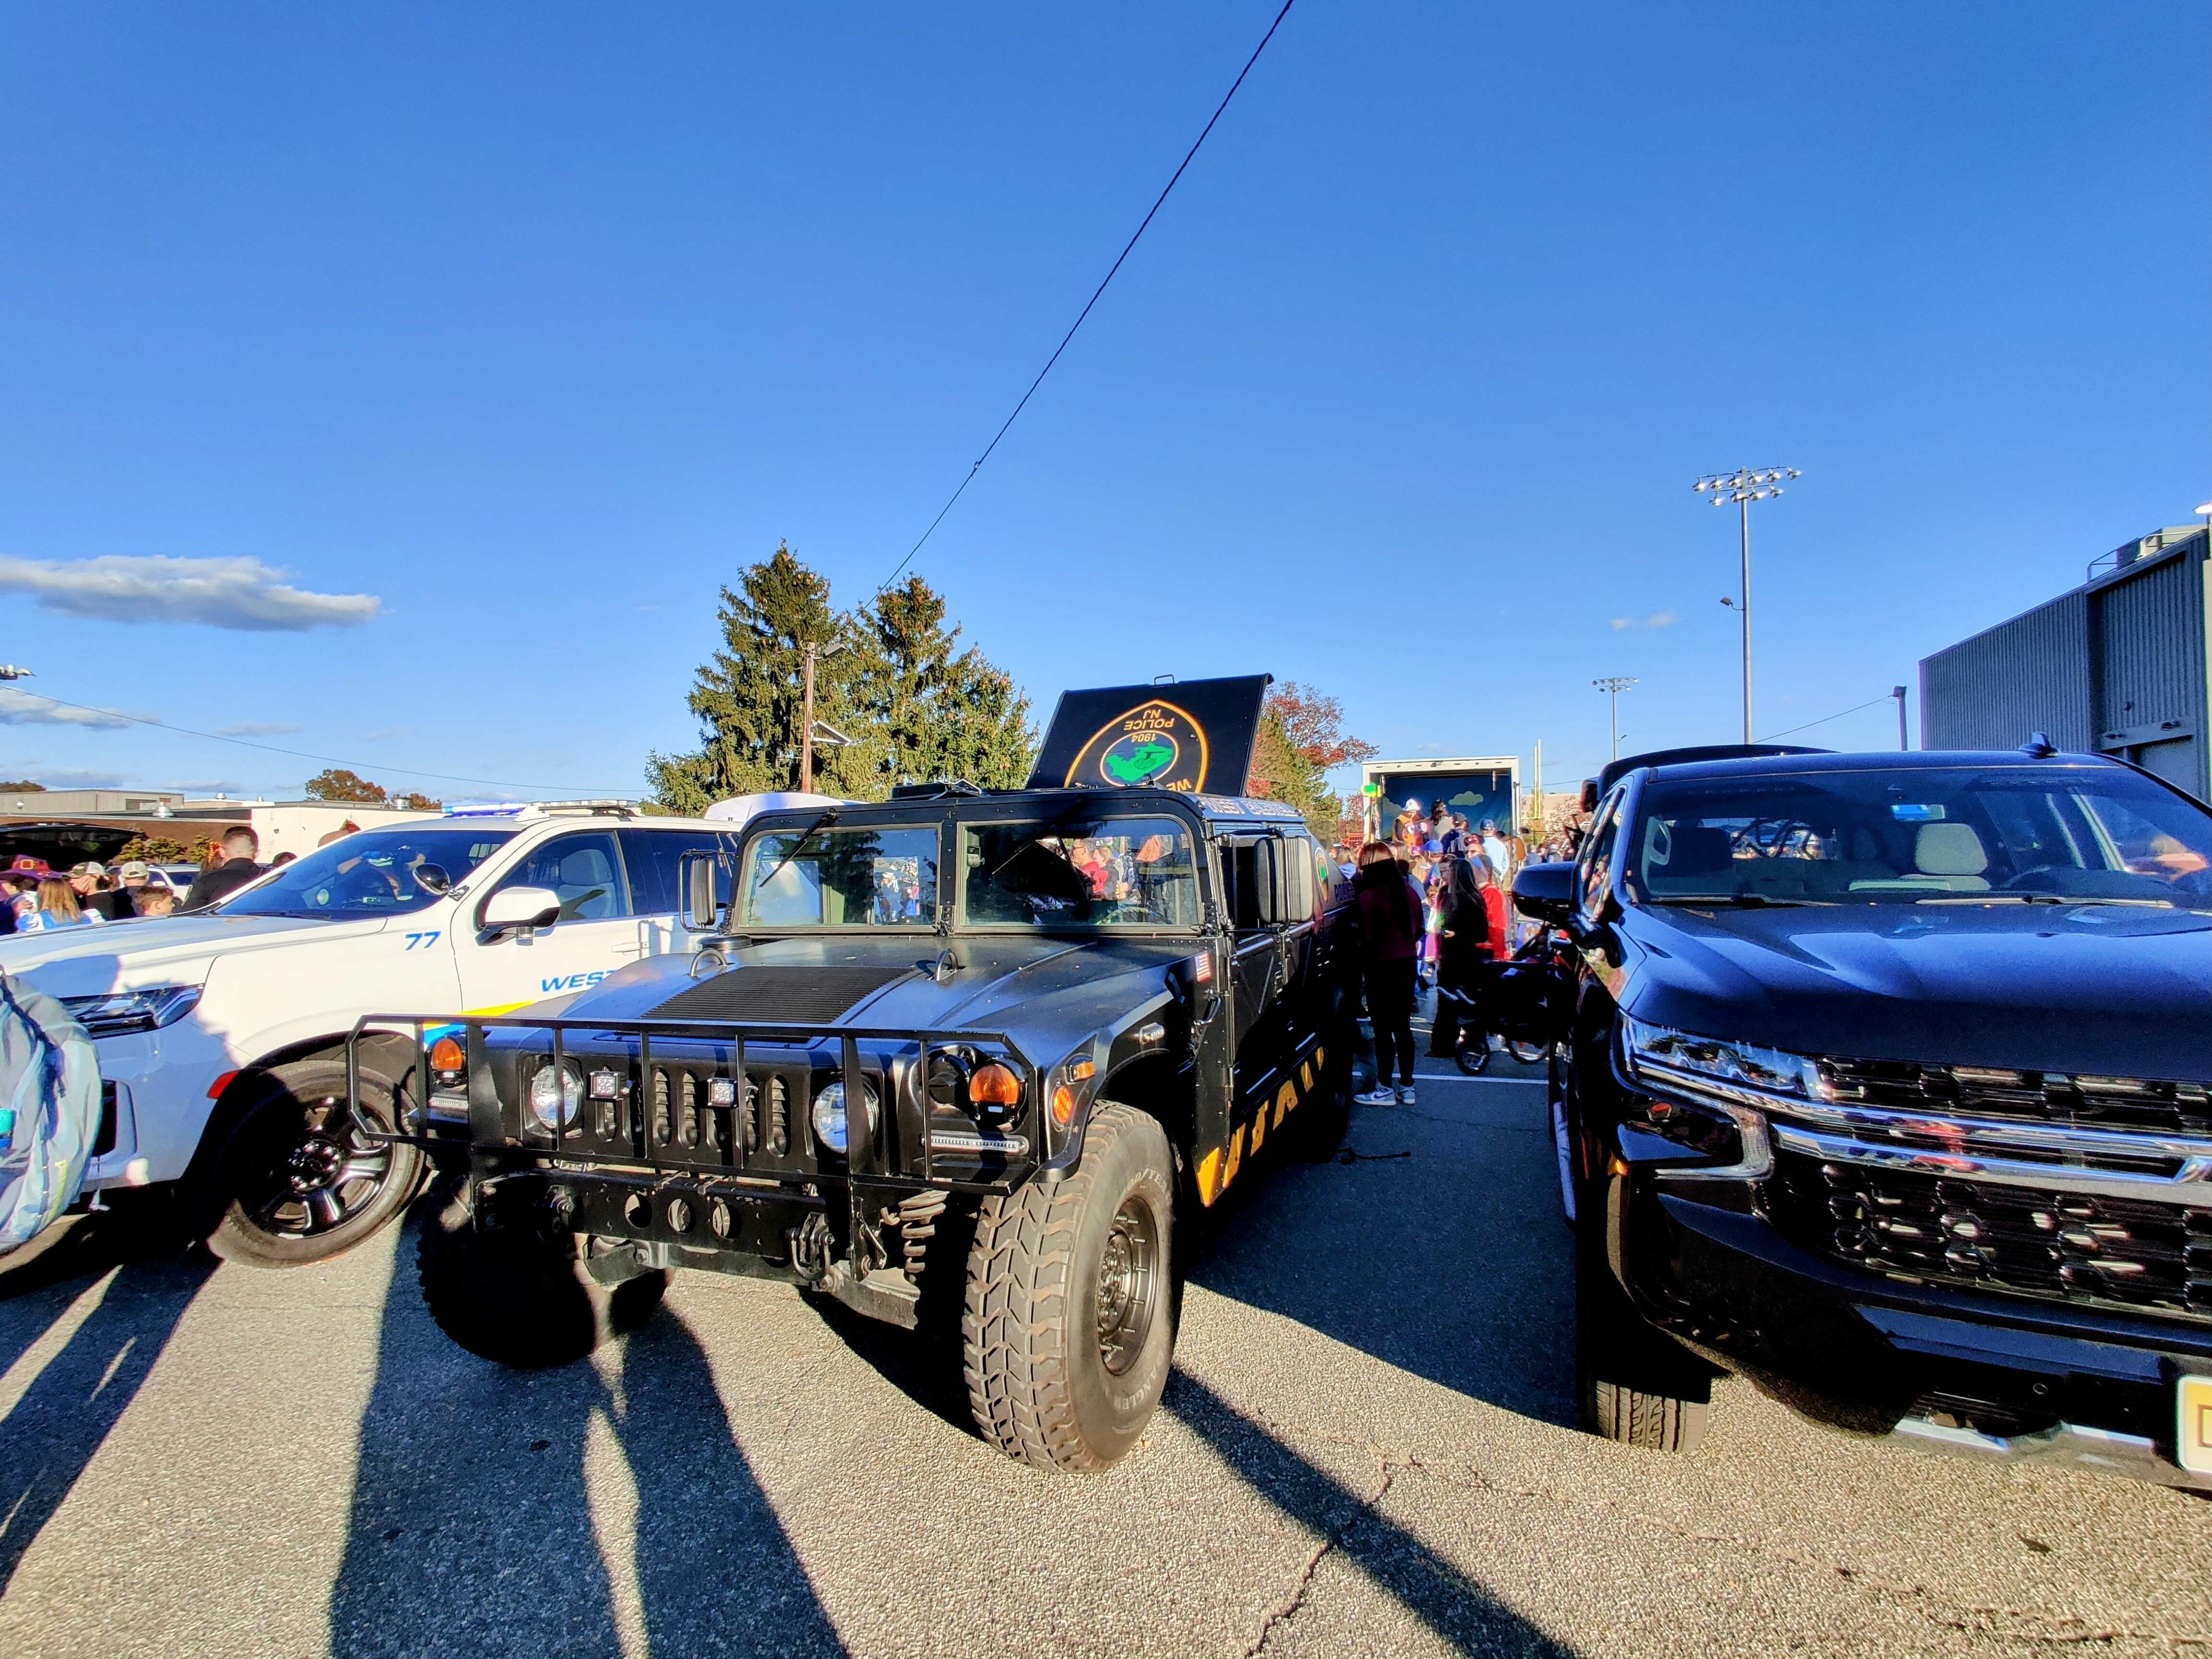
(809, 996)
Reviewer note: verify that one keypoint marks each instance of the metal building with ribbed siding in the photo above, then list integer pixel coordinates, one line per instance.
(2116, 667)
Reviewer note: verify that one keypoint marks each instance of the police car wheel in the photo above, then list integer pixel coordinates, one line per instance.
(513, 1296)
(1070, 1319)
(295, 1180)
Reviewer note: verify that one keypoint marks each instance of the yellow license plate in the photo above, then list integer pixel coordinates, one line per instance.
(2194, 1430)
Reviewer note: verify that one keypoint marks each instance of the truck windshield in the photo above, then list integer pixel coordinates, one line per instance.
(871, 876)
(372, 872)
(1062, 873)
(1944, 834)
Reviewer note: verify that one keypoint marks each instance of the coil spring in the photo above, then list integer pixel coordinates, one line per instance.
(916, 1220)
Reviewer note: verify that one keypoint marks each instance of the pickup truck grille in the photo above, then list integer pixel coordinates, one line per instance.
(2118, 1102)
(2134, 1253)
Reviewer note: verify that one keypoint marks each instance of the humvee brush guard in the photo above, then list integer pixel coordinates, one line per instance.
(961, 1054)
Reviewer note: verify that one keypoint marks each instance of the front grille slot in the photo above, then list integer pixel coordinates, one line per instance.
(2129, 1253)
(2177, 1108)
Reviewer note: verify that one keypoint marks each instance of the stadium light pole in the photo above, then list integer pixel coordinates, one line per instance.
(1613, 685)
(1744, 486)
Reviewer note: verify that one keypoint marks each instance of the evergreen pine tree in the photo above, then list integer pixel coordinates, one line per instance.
(934, 715)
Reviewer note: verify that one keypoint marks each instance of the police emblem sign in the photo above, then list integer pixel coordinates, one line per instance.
(1197, 735)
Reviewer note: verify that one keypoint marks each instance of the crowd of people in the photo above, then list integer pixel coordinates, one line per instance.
(36, 898)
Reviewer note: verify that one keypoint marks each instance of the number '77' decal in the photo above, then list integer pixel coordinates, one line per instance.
(425, 940)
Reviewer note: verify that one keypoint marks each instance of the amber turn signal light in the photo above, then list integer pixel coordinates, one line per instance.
(447, 1056)
(994, 1085)
(1063, 1097)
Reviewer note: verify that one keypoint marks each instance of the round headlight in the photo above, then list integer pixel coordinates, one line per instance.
(553, 1098)
(830, 1114)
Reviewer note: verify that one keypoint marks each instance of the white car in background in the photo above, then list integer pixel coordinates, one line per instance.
(220, 1034)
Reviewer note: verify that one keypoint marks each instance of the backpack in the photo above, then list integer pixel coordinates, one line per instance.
(49, 1111)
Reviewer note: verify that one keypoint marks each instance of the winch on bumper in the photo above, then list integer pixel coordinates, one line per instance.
(731, 1146)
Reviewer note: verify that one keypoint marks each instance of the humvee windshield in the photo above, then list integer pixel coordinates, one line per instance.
(880, 876)
(1064, 873)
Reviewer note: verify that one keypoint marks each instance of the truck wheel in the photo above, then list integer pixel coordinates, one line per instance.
(294, 1180)
(1634, 1384)
(515, 1296)
(1070, 1321)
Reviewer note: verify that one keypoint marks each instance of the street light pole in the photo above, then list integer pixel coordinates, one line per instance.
(1744, 486)
(1903, 742)
(1613, 685)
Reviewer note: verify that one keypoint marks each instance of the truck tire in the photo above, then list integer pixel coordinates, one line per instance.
(292, 1179)
(515, 1297)
(1633, 1384)
(1070, 1319)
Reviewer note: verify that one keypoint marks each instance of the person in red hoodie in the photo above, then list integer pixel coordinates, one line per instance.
(1473, 930)
(1386, 922)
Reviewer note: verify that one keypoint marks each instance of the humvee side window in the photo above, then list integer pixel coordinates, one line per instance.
(876, 877)
(1063, 872)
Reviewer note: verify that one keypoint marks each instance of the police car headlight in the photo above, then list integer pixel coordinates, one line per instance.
(553, 1096)
(114, 1012)
(830, 1114)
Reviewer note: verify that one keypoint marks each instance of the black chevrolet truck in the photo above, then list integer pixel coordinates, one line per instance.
(1887, 1083)
(968, 1053)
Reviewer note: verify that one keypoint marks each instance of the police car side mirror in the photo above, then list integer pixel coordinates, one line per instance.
(521, 910)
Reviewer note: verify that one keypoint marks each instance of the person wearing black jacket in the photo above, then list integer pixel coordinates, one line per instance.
(237, 868)
(1387, 928)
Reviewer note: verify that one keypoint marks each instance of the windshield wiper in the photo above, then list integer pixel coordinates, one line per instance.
(799, 846)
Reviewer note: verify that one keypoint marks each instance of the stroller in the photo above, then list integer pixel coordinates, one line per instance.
(1511, 999)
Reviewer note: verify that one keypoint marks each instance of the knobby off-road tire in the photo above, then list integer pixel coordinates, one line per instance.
(1070, 1319)
(513, 1296)
(1633, 1384)
(293, 1180)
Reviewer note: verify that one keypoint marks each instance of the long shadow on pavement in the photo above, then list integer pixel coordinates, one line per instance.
(1451, 1262)
(1429, 1587)
(66, 1414)
(473, 1523)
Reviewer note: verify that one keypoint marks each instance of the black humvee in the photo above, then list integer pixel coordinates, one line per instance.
(967, 1050)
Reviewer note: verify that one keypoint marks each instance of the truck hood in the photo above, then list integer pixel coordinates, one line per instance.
(2101, 989)
(158, 950)
(1040, 992)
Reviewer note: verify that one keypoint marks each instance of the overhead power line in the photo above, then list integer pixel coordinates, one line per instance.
(1093, 301)
(1825, 719)
(301, 754)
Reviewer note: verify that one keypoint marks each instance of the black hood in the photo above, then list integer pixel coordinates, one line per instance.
(2098, 988)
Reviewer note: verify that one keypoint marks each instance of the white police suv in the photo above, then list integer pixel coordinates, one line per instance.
(220, 1034)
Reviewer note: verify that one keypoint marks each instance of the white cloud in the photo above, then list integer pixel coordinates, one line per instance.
(21, 708)
(256, 729)
(68, 778)
(1660, 619)
(239, 592)
(1619, 622)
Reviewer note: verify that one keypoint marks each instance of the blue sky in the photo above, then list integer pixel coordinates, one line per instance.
(475, 347)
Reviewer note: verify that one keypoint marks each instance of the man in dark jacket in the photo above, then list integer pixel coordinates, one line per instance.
(237, 868)
(1386, 921)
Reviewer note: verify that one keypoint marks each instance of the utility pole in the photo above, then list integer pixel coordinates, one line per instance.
(1903, 742)
(1744, 486)
(829, 736)
(1613, 685)
(1539, 826)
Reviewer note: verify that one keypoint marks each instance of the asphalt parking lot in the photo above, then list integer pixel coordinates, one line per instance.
(1367, 1448)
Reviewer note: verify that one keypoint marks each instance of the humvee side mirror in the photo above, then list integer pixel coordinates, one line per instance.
(1267, 880)
(1544, 893)
(700, 910)
(520, 910)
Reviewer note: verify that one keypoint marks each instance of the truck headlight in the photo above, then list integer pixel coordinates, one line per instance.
(1733, 1083)
(830, 1114)
(115, 1012)
(554, 1096)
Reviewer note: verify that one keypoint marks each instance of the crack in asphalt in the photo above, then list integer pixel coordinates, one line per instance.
(2033, 1625)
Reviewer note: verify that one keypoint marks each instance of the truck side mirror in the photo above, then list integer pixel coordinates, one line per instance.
(701, 911)
(1544, 893)
(1267, 880)
(520, 910)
